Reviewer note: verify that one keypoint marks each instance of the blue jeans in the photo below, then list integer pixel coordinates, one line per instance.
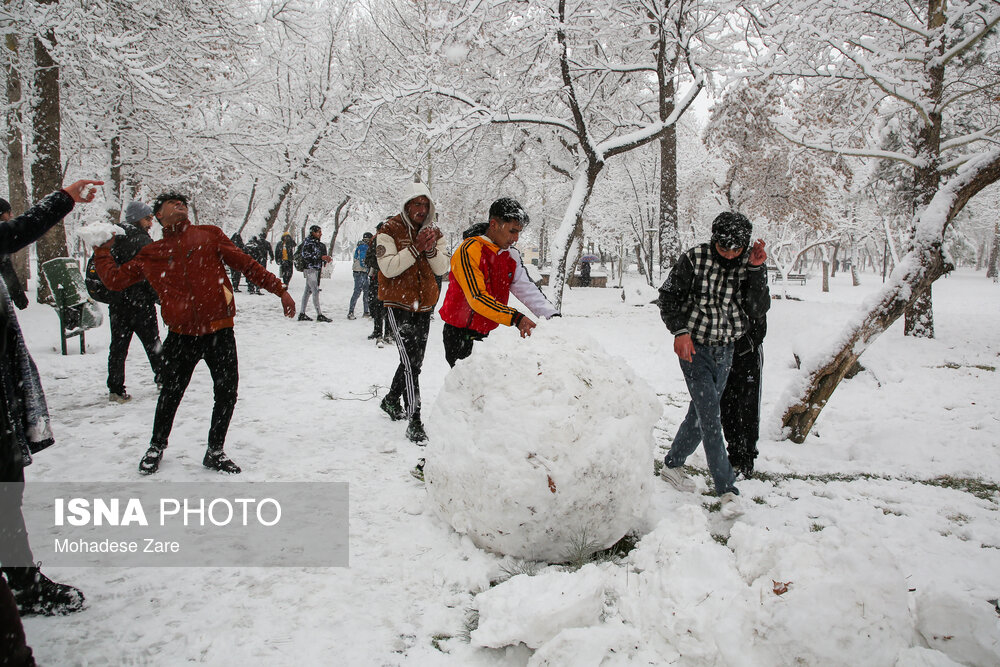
(706, 379)
(360, 286)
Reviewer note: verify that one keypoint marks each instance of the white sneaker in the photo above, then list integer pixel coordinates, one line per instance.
(677, 479)
(380, 342)
(731, 505)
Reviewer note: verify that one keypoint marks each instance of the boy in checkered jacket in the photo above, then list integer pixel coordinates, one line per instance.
(707, 302)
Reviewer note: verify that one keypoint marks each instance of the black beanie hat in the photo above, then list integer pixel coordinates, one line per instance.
(731, 230)
(314, 228)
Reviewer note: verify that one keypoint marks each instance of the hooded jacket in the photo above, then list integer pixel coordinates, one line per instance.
(284, 249)
(187, 270)
(408, 275)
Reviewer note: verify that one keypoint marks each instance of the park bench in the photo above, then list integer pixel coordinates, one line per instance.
(77, 311)
(799, 278)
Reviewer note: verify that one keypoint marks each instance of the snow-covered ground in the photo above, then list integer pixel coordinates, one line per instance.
(883, 526)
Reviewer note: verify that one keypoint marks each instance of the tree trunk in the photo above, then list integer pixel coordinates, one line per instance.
(826, 276)
(800, 417)
(17, 190)
(833, 262)
(919, 320)
(46, 169)
(920, 268)
(338, 221)
(246, 217)
(568, 249)
(991, 264)
(115, 187)
(920, 316)
(669, 238)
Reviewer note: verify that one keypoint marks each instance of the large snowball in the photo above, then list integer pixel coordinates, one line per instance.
(541, 445)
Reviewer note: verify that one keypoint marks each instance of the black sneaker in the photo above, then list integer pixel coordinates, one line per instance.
(216, 459)
(374, 336)
(150, 463)
(323, 318)
(304, 318)
(418, 470)
(415, 432)
(392, 408)
(351, 316)
(35, 593)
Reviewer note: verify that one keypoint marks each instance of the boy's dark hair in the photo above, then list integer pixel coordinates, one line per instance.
(731, 230)
(165, 197)
(315, 228)
(4, 206)
(509, 210)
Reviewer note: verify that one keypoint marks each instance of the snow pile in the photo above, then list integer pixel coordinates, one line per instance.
(543, 447)
(960, 626)
(858, 595)
(533, 610)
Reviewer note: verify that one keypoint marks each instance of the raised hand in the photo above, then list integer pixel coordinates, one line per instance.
(757, 253)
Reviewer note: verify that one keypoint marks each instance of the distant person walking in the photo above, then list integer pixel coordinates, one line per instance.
(187, 268)
(284, 251)
(132, 310)
(237, 240)
(314, 255)
(375, 305)
(360, 270)
(411, 252)
(260, 250)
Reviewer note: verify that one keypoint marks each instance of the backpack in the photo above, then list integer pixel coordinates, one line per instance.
(95, 288)
(298, 261)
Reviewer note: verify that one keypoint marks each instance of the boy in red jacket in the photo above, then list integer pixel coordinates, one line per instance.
(187, 268)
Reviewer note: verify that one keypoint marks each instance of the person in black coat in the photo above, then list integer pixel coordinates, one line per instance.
(283, 251)
(133, 310)
(259, 249)
(238, 242)
(740, 403)
(24, 431)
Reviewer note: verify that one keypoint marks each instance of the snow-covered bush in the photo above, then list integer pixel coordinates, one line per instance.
(541, 445)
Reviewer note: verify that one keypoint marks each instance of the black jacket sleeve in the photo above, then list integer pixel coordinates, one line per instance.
(14, 287)
(33, 223)
(674, 301)
(756, 294)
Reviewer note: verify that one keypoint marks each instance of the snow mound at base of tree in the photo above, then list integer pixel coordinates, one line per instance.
(542, 448)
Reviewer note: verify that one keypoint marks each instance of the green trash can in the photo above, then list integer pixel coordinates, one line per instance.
(77, 311)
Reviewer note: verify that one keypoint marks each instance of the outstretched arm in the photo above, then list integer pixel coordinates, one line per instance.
(33, 223)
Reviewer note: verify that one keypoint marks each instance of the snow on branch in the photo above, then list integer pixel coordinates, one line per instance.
(989, 23)
(852, 152)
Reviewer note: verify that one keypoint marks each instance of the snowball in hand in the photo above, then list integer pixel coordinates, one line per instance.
(98, 233)
(539, 445)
